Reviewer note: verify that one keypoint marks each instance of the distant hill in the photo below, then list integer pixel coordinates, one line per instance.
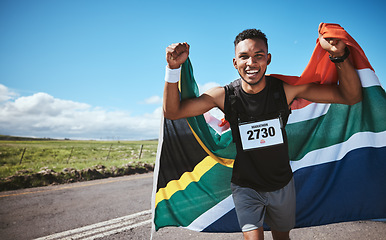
(13, 138)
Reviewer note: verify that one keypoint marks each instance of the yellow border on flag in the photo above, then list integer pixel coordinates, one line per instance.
(188, 177)
(223, 161)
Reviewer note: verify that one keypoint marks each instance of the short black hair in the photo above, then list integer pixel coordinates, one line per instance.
(251, 34)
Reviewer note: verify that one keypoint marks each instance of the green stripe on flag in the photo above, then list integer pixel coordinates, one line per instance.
(221, 145)
(327, 130)
(185, 206)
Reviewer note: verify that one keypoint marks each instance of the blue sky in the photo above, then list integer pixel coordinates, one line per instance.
(95, 69)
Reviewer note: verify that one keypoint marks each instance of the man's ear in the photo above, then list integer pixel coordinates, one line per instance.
(269, 58)
(234, 63)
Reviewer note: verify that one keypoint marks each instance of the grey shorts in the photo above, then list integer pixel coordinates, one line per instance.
(277, 209)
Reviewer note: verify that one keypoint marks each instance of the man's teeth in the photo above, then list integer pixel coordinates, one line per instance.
(252, 71)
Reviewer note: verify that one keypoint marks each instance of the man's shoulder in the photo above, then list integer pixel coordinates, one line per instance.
(236, 82)
(232, 85)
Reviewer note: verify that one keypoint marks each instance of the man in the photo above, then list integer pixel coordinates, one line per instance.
(257, 107)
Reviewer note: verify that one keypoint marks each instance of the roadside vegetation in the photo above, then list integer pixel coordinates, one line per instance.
(32, 162)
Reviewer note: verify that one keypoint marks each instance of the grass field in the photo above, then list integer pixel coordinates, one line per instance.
(60, 154)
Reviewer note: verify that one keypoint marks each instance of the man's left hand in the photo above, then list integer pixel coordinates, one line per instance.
(336, 47)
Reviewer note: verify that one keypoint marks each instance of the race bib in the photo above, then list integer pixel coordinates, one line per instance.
(261, 134)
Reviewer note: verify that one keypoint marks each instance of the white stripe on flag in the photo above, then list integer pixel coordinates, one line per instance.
(315, 110)
(368, 78)
(212, 215)
(311, 111)
(338, 151)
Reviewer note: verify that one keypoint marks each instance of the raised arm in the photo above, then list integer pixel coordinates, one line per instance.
(349, 89)
(176, 54)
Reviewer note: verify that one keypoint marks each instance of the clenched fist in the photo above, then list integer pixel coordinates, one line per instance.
(336, 47)
(176, 54)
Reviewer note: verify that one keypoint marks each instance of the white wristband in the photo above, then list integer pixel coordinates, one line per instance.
(172, 75)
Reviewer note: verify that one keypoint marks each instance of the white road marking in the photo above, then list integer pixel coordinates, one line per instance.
(119, 230)
(105, 228)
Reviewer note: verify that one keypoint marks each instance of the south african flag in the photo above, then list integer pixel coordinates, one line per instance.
(337, 152)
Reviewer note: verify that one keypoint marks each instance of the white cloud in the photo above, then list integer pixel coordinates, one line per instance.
(6, 94)
(42, 115)
(153, 100)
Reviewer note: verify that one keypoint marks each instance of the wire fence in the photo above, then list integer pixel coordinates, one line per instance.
(56, 155)
(57, 152)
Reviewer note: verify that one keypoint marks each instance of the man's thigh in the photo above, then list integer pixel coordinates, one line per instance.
(281, 208)
(250, 207)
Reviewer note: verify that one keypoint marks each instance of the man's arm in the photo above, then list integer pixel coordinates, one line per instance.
(176, 54)
(349, 90)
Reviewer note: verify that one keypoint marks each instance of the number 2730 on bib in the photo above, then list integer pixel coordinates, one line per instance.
(260, 134)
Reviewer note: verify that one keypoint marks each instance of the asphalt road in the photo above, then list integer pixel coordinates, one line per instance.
(119, 208)
(38, 212)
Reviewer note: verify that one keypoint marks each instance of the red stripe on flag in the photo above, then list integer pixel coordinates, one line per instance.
(320, 69)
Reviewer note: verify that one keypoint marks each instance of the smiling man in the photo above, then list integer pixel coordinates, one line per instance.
(257, 107)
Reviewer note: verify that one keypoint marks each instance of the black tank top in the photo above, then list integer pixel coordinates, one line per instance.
(263, 169)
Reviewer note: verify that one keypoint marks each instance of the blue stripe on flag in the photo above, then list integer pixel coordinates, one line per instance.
(227, 223)
(351, 189)
(347, 190)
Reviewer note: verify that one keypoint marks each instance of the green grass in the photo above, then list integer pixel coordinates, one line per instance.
(60, 154)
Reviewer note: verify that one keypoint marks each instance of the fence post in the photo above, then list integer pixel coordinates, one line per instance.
(140, 152)
(22, 155)
(107, 158)
(70, 155)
